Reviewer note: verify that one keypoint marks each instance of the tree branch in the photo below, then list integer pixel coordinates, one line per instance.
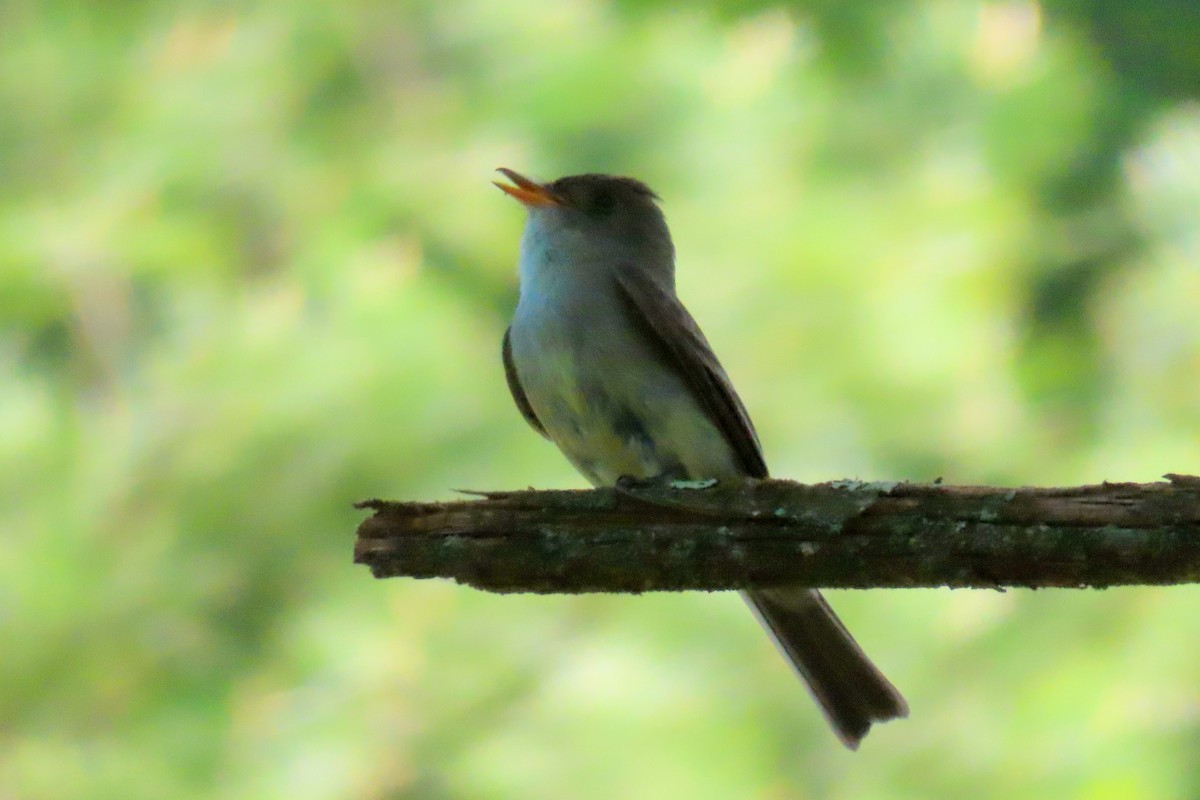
(845, 534)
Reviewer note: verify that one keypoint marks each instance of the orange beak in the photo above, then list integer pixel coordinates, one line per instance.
(530, 193)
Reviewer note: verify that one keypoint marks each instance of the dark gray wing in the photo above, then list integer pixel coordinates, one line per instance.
(668, 324)
(851, 691)
(514, 386)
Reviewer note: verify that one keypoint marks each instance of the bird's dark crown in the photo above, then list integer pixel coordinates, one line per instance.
(598, 180)
(596, 193)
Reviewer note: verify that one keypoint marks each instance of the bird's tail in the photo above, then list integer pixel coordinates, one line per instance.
(851, 691)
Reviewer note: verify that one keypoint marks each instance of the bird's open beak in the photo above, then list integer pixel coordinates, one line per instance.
(530, 193)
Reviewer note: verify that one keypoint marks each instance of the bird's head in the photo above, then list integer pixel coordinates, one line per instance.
(581, 220)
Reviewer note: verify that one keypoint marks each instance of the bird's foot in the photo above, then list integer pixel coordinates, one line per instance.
(630, 483)
(637, 488)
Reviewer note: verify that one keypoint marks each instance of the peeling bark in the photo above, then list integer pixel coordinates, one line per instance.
(842, 534)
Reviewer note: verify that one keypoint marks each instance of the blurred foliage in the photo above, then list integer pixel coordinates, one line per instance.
(252, 270)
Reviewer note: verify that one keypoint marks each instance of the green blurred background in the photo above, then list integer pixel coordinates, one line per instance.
(252, 270)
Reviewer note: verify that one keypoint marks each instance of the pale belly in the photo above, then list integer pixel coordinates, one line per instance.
(616, 410)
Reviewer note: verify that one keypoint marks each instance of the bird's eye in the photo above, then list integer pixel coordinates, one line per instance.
(602, 202)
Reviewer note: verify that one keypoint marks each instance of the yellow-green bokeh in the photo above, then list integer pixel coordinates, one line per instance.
(252, 270)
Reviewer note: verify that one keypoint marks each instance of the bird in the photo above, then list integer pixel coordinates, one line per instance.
(603, 359)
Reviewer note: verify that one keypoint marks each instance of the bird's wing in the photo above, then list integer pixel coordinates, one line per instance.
(665, 321)
(514, 386)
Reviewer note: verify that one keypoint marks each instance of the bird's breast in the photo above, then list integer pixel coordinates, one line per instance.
(608, 400)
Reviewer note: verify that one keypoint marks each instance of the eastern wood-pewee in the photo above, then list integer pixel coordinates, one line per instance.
(603, 360)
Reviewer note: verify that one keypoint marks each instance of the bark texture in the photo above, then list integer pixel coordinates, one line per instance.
(760, 534)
